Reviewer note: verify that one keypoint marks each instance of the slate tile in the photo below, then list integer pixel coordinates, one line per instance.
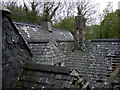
(58, 83)
(66, 77)
(20, 83)
(15, 39)
(39, 86)
(25, 72)
(11, 47)
(43, 80)
(29, 85)
(4, 26)
(51, 75)
(21, 43)
(39, 73)
(9, 40)
(37, 79)
(45, 74)
(10, 27)
(34, 73)
(66, 84)
(15, 52)
(8, 32)
(58, 76)
(11, 59)
(24, 77)
(17, 47)
(51, 81)
(7, 52)
(24, 84)
(46, 87)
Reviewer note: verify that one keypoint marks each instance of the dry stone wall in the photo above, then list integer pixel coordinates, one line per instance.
(14, 52)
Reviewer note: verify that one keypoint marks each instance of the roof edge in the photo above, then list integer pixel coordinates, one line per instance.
(46, 68)
(105, 40)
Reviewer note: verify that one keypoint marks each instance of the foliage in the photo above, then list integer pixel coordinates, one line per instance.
(93, 32)
(86, 9)
(109, 25)
(49, 10)
(66, 24)
(31, 14)
(108, 28)
(18, 13)
(23, 13)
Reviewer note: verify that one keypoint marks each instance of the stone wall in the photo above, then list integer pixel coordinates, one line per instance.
(14, 52)
(94, 64)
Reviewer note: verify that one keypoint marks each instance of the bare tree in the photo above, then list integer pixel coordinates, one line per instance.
(81, 7)
(108, 9)
(86, 9)
(10, 4)
(52, 11)
(49, 10)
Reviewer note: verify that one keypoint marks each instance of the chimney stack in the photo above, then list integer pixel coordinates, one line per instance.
(80, 33)
(47, 25)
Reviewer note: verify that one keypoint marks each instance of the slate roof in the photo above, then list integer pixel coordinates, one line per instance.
(49, 76)
(47, 53)
(37, 32)
(62, 35)
(43, 44)
(113, 81)
(98, 61)
(101, 57)
(14, 51)
(17, 54)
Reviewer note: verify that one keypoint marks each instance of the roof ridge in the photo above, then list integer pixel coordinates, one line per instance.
(46, 68)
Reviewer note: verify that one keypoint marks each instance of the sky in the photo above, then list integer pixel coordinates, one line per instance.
(101, 3)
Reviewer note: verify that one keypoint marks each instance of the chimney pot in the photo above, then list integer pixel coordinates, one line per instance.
(79, 32)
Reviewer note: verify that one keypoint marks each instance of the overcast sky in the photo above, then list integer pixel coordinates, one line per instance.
(103, 3)
(101, 6)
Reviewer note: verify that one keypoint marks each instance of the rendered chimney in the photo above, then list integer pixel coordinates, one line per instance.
(79, 32)
(47, 25)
